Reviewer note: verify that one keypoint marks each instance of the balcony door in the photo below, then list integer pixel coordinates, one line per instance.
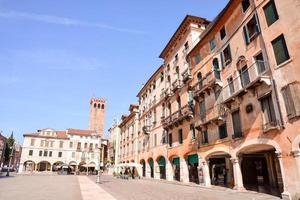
(216, 69)
(244, 74)
(237, 125)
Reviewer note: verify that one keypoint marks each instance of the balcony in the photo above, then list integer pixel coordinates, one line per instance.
(186, 75)
(175, 119)
(146, 129)
(249, 78)
(176, 85)
(212, 115)
(165, 94)
(208, 82)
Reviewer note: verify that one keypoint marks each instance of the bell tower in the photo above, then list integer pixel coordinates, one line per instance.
(97, 114)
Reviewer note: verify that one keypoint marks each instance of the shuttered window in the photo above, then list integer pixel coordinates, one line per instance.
(204, 137)
(222, 33)
(268, 112)
(291, 96)
(251, 30)
(280, 50)
(271, 13)
(245, 5)
(237, 125)
(180, 136)
(226, 56)
(222, 131)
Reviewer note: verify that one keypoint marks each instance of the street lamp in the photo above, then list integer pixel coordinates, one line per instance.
(99, 161)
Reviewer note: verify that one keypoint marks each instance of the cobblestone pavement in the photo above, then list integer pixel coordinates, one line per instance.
(145, 189)
(39, 187)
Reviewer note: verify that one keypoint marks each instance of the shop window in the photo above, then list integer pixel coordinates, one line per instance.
(291, 96)
(245, 5)
(226, 56)
(280, 50)
(251, 30)
(223, 33)
(180, 136)
(271, 12)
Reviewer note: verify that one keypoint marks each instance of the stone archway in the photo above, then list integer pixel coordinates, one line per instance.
(43, 166)
(29, 166)
(151, 165)
(162, 167)
(57, 166)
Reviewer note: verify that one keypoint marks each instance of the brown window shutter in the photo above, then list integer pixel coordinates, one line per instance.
(288, 101)
(295, 93)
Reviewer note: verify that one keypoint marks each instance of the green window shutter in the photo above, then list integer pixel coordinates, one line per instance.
(246, 35)
(162, 161)
(280, 50)
(193, 159)
(176, 161)
(271, 13)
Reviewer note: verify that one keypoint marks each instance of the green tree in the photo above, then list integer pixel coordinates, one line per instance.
(9, 147)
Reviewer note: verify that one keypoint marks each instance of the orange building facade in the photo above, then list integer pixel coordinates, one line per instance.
(224, 107)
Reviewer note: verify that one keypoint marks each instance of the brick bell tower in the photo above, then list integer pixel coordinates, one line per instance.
(97, 114)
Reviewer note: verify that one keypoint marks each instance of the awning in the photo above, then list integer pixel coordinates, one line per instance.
(193, 159)
(176, 161)
(162, 161)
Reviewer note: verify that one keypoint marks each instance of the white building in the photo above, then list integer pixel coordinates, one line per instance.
(48, 150)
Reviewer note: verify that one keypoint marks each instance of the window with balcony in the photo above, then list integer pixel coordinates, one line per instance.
(170, 140)
(237, 125)
(271, 12)
(226, 56)
(204, 137)
(230, 84)
(245, 5)
(223, 33)
(180, 136)
(259, 59)
(280, 50)
(30, 153)
(251, 30)
(212, 44)
(291, 96)
(244, 74)
(222, 131)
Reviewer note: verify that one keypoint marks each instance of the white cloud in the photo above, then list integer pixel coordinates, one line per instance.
(63, 21)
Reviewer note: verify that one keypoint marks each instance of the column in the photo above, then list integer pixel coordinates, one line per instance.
(156, 170)
(285, 194)
(237, 175)
(296, 155)
(169, 170)
(184, 171)
(229, 172)
(206, 175)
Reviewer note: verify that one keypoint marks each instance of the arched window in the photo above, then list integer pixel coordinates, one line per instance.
(102, 106)
(99, 106)
(216, 68)
(177, 72)
(95, 105)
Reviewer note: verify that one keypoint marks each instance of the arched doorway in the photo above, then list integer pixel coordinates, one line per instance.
(57, 166)
(176, 168)
(29, 166)
(43, 166)
(151, 164)
(143, 163)
(220, 169)
(260, 169)
(162, 167)
(216, 68)
(82, 166)
(193, 163)
(73, 166)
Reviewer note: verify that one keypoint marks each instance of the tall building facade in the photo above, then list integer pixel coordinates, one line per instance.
(97, 115)
(224, 107)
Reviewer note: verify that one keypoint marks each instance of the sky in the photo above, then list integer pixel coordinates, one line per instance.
(57, 54)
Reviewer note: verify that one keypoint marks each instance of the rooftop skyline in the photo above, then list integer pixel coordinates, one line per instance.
(56, 55)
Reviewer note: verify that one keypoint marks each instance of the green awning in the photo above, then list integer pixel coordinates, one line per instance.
(193, 159)
(162, 161)
(176, 161)
(151, 163)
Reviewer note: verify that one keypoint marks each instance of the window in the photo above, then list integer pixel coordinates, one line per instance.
(193, 131)
(259, 59)
(85, 145)
(91, 146)
(45, 153)
(102, 107)
(186, 45)
(50, 153)
(176, 58)
(222, 33)
(237, 125)
(32, 141)
(30, 152)
(99, 106)
(271, 12)
(42, 143)
(212, 44)
(291, 98)
(245, 5)
(180, 136)
(280, 50)
(222, 131)
(71, 144)
(40, 153)
(78, 146)
(161, 77)
(202, 109)
(230, 85)
(73, 154)
(61, 144)
(95, 105)
(204, 137)
(164, 137)
(226, 56)
(251, 30)
(197, 59)
(268, 111)
(170, 140)
(60, 154)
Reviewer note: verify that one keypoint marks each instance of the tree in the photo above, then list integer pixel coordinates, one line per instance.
(9, 147)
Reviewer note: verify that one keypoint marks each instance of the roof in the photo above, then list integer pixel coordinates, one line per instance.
(210, 27)
(81, 132)
(186, 21)
(150, 79)
(59, 135)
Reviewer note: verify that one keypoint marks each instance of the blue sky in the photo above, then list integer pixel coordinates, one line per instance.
(56, 54)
